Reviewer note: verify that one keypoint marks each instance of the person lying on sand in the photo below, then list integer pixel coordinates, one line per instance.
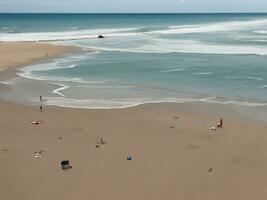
(36, 122)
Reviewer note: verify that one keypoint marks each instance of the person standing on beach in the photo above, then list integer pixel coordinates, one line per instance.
(41, 108)
(41, 99)
(221, 123)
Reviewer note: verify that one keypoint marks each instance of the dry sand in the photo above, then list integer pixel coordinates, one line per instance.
(175, 155)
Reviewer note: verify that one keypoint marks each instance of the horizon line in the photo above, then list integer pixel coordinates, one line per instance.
(265, 12)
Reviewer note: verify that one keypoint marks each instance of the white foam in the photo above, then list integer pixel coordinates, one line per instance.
(212, 27)
(261, 31)
(30, 75)
(124, 103)
(105, 86)
(263, 86)
(75, 34)
(4, 82)
(203, 73)
(74, 28)
(245, 77)
(259, 40)
(190, 46)
(61, 88)
(172, 70)
(67, 35)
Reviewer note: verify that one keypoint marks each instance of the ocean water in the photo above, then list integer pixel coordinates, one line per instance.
(143, 58)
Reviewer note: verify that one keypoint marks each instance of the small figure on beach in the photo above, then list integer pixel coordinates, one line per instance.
(38, 154)
(41, 98)
(129, 157)
(41, 108)
(210, 169)
(101, 141)
(36, 122)
(46, 54)
(65, 165)
(220, 124)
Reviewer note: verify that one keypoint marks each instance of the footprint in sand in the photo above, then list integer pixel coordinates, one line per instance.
(191, 146)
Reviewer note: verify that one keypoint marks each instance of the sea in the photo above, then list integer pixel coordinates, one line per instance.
(143, 58)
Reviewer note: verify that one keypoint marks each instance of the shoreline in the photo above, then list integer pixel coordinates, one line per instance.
(174, 153)
(16, 54)
(19, 59)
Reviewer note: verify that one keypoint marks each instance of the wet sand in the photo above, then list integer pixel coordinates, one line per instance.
(174, 153)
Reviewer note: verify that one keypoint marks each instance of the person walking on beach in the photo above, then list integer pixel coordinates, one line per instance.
(41, 108)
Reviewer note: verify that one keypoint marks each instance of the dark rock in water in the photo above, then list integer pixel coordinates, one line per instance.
(100, 36)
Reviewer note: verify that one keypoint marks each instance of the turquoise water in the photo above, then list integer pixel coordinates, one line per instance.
(144, 58)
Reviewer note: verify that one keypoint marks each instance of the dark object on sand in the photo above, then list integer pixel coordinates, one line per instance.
(172, 127)
(96, 146)
(129, 157)
(65, 165)
(101, 141)
(100, 36)
(210, 170)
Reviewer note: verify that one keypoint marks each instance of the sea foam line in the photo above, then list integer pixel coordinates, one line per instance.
(128, 32)
(203, 73)
(212, 27)
(126, 103)
(189, 46)
(61, 88)
(172, 70)
(67, 35)
(245, 77)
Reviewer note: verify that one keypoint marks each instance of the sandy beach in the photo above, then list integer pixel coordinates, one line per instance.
(13, 54)
(174, 153)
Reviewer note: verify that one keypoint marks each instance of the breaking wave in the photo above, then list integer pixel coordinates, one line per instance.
(76, 34)
(246, 78)
(125, 103)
